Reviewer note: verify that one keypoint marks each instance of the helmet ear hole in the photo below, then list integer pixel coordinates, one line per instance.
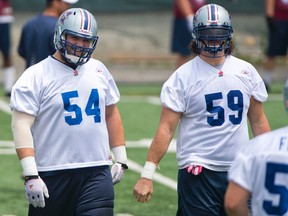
(212, 25)
(80, 24)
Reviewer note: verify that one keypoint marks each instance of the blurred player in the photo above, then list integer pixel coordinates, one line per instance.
(183, 13)
(64, 120)
(36, 41)
(277, 22)
(209, 99)
(260, 171)
(6, 18)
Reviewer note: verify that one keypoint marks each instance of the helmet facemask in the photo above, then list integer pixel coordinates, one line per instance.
(73, 53)
(210, 41)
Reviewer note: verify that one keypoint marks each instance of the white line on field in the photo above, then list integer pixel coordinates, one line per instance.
(4, 106)
(7, 147)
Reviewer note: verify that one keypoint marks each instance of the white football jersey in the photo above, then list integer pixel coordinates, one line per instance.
(69, 105)
(214, 104)
(261, 167)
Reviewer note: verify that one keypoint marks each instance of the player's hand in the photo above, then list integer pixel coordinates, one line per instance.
(35, 191)
(143, 190)
(117, 172)
(194, 169)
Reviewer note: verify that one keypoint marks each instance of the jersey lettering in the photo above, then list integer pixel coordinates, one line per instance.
(91, 109)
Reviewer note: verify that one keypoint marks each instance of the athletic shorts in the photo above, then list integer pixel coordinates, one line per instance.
(5, 38)
(278, 39)
(203, 194)
(77, 192)
(181, 37)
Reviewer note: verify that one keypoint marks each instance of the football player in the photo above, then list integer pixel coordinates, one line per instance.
(260, 171)
(209, 99)
(65, 121)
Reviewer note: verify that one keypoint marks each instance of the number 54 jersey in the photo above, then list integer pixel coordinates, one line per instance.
(69, 108)
(214, 103)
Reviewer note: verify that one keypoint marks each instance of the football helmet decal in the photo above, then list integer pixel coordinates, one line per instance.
(78, 23)
(212, 30)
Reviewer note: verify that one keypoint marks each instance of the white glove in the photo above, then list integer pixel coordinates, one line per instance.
(35, 191)
(189, 20)
(117, 172)
(194, 169)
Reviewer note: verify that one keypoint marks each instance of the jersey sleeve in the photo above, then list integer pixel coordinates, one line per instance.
(113, 95)
(258, 89)
(172, 94)
(26, 93)
(240, 172)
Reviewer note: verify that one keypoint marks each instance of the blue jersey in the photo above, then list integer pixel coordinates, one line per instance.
(36, 42)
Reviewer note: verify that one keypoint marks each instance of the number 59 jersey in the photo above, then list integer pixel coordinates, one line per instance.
(214, 104)
(69, 109)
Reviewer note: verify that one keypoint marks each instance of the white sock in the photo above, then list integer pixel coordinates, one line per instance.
(9, 78)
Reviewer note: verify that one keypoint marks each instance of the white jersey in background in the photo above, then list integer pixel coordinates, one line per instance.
(214, 104)
(261, 167)
(70, 106)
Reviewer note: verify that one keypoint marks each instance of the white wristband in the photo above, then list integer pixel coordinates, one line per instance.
(29, 166)
(149, 170)
(119, 153)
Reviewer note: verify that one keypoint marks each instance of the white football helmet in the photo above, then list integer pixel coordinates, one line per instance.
(80, 23)
(212, 30)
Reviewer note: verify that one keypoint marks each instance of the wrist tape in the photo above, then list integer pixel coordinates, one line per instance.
(149, 170)
(29, 166)
(119, 153)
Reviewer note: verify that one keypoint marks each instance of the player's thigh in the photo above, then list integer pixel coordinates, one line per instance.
(278, 40)
(5, 39)
(181, 37)
(201, 195)
(97, 195)
(63, 194)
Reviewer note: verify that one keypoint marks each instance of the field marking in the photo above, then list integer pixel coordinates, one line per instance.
(7, 148)
(4, 106)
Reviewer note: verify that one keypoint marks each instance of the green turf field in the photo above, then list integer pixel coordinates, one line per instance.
(140, 111)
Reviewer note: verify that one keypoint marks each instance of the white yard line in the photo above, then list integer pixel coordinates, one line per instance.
(4, 106)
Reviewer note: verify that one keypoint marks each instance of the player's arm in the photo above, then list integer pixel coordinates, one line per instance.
(117, 142)
(236, 200)
(168, 123)
(23, 140)
(269, 7)
(257, 118)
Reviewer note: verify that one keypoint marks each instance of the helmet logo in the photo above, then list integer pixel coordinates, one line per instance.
(64, 17)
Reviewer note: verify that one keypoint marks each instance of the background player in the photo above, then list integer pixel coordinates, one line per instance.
(260, 170)
(6, 18)
(64, 120)
(36, 41)
(183, 13)
(210, 98)
(277, 22)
